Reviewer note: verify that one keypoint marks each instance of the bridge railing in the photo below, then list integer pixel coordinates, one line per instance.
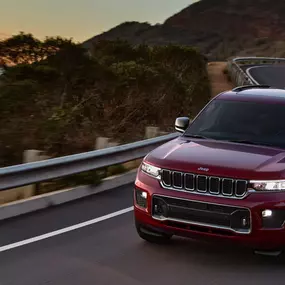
(239, 76)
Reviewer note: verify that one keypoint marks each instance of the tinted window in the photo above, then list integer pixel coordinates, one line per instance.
(233, 120)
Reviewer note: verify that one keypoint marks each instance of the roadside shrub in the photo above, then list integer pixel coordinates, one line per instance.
(62, 102)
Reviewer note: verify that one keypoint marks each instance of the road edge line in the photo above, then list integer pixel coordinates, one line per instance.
(65, 230)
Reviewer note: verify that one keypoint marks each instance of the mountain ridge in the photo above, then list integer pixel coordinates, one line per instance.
(219, 28)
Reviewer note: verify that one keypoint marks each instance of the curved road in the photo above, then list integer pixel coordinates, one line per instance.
(110, 252)
(273, 75)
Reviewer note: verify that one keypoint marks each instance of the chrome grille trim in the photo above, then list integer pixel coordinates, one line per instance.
(219, 185)
(180, 177)
(231, 187)
(206, 186)
(163, 181)
(246, 184)
(193, 179)
(189, 183)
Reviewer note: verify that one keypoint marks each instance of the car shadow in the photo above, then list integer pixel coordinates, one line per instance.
(211, 254)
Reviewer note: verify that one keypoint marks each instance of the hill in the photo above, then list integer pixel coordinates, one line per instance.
(219, 28)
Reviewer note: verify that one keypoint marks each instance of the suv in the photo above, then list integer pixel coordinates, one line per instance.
(223, 178)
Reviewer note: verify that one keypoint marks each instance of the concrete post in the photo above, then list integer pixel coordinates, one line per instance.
(112, 144)
(101, 143)
(28, 190)
(151, 132)
(32, 155)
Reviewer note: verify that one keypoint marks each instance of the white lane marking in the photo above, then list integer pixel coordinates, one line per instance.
(248, 70)
(65, 230)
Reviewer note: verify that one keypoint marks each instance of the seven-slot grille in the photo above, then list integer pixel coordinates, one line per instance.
(197, 183)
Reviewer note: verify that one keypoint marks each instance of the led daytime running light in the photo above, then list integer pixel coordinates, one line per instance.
(269, 185)
(151, 170)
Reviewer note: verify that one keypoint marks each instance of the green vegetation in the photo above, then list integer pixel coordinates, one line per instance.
(57, 96)
(227, 74)
(93, 178)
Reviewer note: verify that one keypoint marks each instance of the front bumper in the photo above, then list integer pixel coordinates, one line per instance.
(247, 228)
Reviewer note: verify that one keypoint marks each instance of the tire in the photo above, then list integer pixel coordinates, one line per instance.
(152, 237)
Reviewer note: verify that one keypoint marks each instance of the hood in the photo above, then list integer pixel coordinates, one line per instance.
(217, 158)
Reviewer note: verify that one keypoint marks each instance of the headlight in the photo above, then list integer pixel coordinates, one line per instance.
(151, 170)
(274, 185)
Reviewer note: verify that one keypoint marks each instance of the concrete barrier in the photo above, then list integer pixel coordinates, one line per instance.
(44, 201)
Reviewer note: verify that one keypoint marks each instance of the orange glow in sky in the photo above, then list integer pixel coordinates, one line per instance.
(83, 19)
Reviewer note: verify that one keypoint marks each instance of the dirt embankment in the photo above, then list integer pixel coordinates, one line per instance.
(219, 80)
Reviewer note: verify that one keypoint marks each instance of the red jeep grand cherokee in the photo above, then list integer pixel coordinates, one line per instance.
(223, 178)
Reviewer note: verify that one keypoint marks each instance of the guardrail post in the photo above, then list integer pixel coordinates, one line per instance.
(112, 144)
(27, 191)
(101, 143)
(151, 132)
(32, 155)
(161, 133)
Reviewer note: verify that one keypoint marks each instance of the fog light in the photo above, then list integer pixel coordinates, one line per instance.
(141, 198)
(273, 219)
(266, 213)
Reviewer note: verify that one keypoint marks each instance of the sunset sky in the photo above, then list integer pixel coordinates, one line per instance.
(83, 19)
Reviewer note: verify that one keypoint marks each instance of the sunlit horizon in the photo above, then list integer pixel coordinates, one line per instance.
(80, 20)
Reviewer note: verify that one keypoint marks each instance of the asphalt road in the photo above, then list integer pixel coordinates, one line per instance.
(246, 66)
(110, 252)
(269, 75)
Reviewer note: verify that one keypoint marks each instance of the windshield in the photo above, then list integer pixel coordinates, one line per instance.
(251, 122)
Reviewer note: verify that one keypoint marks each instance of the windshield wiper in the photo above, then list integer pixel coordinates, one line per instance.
(197, 137)
(249, 142)
(243, 141)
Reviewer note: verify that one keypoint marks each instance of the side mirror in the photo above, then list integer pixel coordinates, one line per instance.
(181, 124)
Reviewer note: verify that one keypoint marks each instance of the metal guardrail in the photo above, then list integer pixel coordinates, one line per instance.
(241, 77)
(30, 173)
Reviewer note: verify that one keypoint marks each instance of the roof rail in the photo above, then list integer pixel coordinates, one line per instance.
(245, 87)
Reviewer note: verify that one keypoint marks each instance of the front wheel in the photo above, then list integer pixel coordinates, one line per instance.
(151, 236)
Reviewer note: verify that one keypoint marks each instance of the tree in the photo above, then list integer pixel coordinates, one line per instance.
(67, 97)
(26, 49)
